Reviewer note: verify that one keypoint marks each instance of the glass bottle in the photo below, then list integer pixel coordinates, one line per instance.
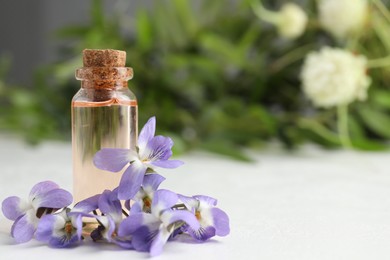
(104, 115)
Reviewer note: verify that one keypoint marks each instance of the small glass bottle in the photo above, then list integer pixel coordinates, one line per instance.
(104, 115)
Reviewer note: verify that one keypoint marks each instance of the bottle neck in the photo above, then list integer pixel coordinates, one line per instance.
(101, 83)
(107, 85)
(99, 91)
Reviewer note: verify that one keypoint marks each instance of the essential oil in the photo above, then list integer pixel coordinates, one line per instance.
(104, 115)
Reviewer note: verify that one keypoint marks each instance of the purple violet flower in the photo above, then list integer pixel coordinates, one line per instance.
(61, 229)
(111, 209)
(144, 197)
(213, 221)
(150, 232)
(44, 197)
(152, 151)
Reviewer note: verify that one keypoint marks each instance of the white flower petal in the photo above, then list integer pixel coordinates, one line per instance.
(342, 17)
(334, 77)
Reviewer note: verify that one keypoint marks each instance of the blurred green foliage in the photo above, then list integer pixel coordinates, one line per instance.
(215, 76)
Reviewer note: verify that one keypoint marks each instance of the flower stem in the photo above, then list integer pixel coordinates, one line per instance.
(264, 14)
(125, 213)
(382, 8)
(378, 63)
(353, 42)
(291, 57)
(319, 129)
(342, 125)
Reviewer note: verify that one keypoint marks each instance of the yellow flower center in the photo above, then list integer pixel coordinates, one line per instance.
(68, 228)
(198, 215)
(147, 204)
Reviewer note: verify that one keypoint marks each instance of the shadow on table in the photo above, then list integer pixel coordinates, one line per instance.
(187, 239)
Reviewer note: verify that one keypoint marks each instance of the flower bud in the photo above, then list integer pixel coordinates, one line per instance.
(342, 17)
(292, 21)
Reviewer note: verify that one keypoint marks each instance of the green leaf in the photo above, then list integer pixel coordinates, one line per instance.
(381, 98)
(321, 131)
(144, 31)
(223, 48)
(186, 15)
(169, 30)
(368, 145)
(376, 120)
(97, 14)
(381, 28)
(359, 140)
(22, 98)
(249, 37)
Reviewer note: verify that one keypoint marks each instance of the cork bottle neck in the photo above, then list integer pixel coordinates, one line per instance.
(104, 73)
(104, 77)
(106, 85)
(96, 91)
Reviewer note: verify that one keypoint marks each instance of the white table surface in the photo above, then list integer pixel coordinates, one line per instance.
(311, 204)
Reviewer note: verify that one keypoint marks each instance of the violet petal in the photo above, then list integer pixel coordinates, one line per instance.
(11, 207)
(129, 225)
(56, 198)
(109, 226)
(127, 204)
(152, 181)
(208, 200)
(127, 244)
(158, 148)
(64, 241)
(42, 187)
(112, 159)
(203, 233)
(23, 228)
(77, 221)
(45, 228)
(136, 207)
(169, 164)
(172, 216)
(190, 202)
(221, 222)
(147, 133)
(110, 205)
(87, 205)
(162, 200)
(131, 180)
(159, 241)
(143, 237)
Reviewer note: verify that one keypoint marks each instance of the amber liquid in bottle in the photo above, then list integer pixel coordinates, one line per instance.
(96, 125)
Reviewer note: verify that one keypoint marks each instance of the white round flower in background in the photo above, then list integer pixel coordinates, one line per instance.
(334, 77)
(342, 17)
(292, 21)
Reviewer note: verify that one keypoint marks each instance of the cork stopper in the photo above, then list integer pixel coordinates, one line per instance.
(104, 58)
(104, 65)
(103, 71)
